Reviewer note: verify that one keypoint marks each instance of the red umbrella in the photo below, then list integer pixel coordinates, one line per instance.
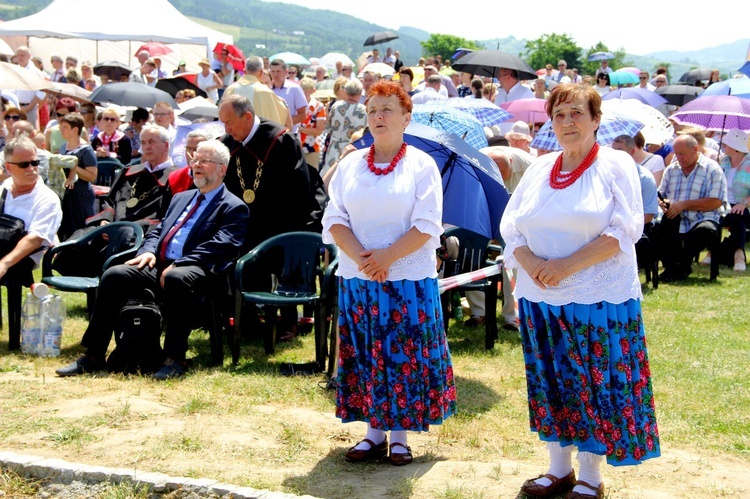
(154, 49)
(191, 77)
(236, 57)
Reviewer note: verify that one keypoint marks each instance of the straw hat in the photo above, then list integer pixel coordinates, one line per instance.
(204, 62)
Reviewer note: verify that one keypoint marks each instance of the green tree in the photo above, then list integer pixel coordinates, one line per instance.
(446, 45)
(619, 61)
(548, 49)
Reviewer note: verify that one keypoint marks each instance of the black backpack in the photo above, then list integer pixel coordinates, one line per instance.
(137, 339)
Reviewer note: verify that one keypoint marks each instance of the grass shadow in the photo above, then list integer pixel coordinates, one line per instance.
(333, 478)
(476, 397)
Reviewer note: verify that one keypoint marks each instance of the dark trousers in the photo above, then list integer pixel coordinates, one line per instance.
(180, 297)
(737, 224)
(676, 250)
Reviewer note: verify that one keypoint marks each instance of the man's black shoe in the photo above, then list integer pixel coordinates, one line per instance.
(170, 369)
(82, 365)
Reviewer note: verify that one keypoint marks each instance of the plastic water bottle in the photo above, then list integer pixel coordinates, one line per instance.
(458, 311)
(54, 315)
(31, 330)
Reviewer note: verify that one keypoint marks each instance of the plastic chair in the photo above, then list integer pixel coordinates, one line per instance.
(295, 259)
(120, 246)
(647, 258)
(107, 169)
(473, 255)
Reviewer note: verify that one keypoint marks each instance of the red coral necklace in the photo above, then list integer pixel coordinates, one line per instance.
(559, 179)
(391, 166)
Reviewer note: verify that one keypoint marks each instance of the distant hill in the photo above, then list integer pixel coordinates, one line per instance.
(265, 28)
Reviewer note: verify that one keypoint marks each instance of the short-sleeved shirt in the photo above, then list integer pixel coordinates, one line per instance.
(40, 211)
(707, 180)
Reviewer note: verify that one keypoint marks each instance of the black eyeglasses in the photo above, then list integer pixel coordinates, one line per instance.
(643, 77)
(14, 117)
(24, 164)
(109, 118)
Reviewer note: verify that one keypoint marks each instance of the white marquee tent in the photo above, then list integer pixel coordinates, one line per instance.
(107, 30)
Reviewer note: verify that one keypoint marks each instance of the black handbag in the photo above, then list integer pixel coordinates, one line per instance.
(137, 338)
(12, 229)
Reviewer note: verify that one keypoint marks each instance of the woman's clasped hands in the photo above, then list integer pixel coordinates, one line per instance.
(375, 263)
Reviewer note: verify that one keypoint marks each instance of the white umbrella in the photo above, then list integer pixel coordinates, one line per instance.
(15, 77)
(200, 107)
(5, 48)
(329, 60)
(384, 70)
(656, 128)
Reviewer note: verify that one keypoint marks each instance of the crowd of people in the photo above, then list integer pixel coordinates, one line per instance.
(573, 221)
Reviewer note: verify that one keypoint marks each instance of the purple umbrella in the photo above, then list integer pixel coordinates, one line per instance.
(716, 113)
(641, 94)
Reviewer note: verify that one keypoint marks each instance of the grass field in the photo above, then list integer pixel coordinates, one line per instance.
(248, 425)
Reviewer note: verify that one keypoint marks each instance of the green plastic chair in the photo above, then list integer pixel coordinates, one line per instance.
(91, 260)
(295, 259)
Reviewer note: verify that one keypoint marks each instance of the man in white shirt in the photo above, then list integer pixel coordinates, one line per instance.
(562, 65)
(510, 88)
(374, 57)
(604, 67)
(27, 198)
(431, 91)
(28, 100)
(164, 117)
(390, 59)
(289, 91)
(369, 78)
(643, 82)
(57, 64)
(447, 88)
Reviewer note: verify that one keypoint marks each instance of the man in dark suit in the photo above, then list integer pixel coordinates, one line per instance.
(267, 170)
(199, 237)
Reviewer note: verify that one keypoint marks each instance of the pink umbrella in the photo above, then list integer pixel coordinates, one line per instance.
(154, 49)
(631, 69)
(476, 275)
(527, 110)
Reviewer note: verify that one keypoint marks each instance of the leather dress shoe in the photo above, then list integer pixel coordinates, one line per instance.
(354, 455)
(557, 487)
(170, 369)
(598, 492)
(400, 459)
(82, 365)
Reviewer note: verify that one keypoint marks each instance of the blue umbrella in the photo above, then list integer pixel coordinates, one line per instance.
(601, 56)
(621, 77)
(739, 87)
(745, 69)
(486, 112)
(609, 129)
(474, 196)
(440, 116)
(641, 94)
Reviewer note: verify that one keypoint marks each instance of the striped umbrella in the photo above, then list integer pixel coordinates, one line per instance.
(715, 113)
(441, 116)
(609, 129)
(483, 110)
(476, 275)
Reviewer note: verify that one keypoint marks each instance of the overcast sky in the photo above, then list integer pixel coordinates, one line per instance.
(655, 26)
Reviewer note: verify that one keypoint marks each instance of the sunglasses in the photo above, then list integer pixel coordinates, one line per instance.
(14, 117)
(24, 164)
(643, 78)
(110, 119)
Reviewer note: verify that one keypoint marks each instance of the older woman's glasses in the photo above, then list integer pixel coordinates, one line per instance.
(110, 119)
(24, 164)
(14, 117)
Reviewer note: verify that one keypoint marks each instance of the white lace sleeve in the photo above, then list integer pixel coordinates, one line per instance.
(626, 222)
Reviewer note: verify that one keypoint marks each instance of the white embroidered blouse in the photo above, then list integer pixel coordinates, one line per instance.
(605, 200)
(379, 209)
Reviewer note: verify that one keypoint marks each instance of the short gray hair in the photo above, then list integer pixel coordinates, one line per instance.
(20, 143)
(253, 64)
(627, 140)
(307, 83)
(161, 132)
(434, 80)
(199, 134)
(240, 104)
(216, 149)
(55, 57)
(353, 87)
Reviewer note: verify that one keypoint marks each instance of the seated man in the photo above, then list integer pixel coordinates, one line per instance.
(199, 238)
(140, 193)
(26, 197)
(693, 189)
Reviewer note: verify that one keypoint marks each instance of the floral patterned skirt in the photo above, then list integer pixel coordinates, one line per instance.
(395, 370)
(588, 378)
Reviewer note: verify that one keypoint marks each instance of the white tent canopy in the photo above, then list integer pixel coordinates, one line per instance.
(103, 30)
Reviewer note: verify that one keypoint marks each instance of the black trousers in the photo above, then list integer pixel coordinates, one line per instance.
(183, 288)
(676, 250)
(737, 224)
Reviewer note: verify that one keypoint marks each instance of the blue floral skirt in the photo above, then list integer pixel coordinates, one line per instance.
(395, 370)
(588, 378)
